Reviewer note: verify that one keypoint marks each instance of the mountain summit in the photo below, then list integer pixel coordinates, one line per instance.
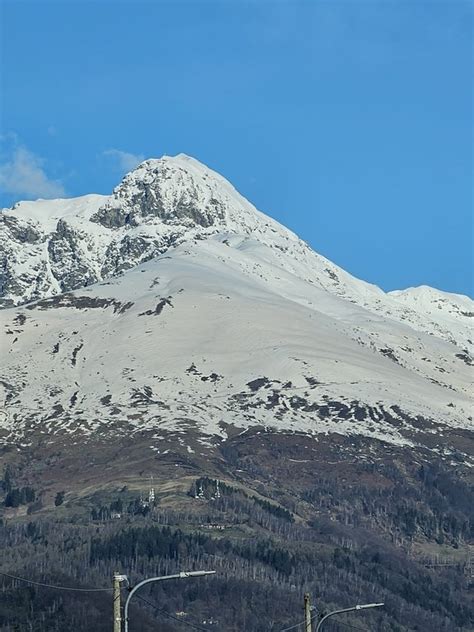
(52, 246)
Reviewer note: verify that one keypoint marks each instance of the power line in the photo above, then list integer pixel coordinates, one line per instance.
(348, 625)
(293, 626)
(30, 581)
(167, 614)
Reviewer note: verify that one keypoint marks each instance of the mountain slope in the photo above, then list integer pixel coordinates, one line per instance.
(232, 321)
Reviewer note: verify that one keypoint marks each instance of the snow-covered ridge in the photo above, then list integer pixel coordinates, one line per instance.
(441, 306)
(47, 213)
(52, 246)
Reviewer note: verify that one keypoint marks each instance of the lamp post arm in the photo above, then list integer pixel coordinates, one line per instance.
(332, 614)
(181, 575)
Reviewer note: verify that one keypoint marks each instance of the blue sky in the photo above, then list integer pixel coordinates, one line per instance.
(350, 122)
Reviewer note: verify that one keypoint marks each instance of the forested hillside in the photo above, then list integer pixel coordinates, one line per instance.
(365, 531)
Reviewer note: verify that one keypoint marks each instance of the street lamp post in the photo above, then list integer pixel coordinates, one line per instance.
(362, 607)
(181, 575)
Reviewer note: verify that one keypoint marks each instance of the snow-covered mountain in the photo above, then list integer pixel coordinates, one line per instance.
(174, 307)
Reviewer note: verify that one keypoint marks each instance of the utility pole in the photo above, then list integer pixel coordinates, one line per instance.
(307, 613)
(116, 601)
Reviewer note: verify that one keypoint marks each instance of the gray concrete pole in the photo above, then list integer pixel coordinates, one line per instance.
(307, 613)
(116, 603)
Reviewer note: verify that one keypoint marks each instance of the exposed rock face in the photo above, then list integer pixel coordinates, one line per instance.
(20, 232)
(68, 265)
(145, 193)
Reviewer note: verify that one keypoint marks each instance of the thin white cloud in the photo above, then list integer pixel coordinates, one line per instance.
(124, 160)
(22, 174)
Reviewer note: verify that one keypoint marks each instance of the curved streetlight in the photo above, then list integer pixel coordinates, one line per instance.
(362, 607)
(181, 575)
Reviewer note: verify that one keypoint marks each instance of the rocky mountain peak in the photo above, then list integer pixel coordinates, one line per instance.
(52, 246)
(174, 191)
